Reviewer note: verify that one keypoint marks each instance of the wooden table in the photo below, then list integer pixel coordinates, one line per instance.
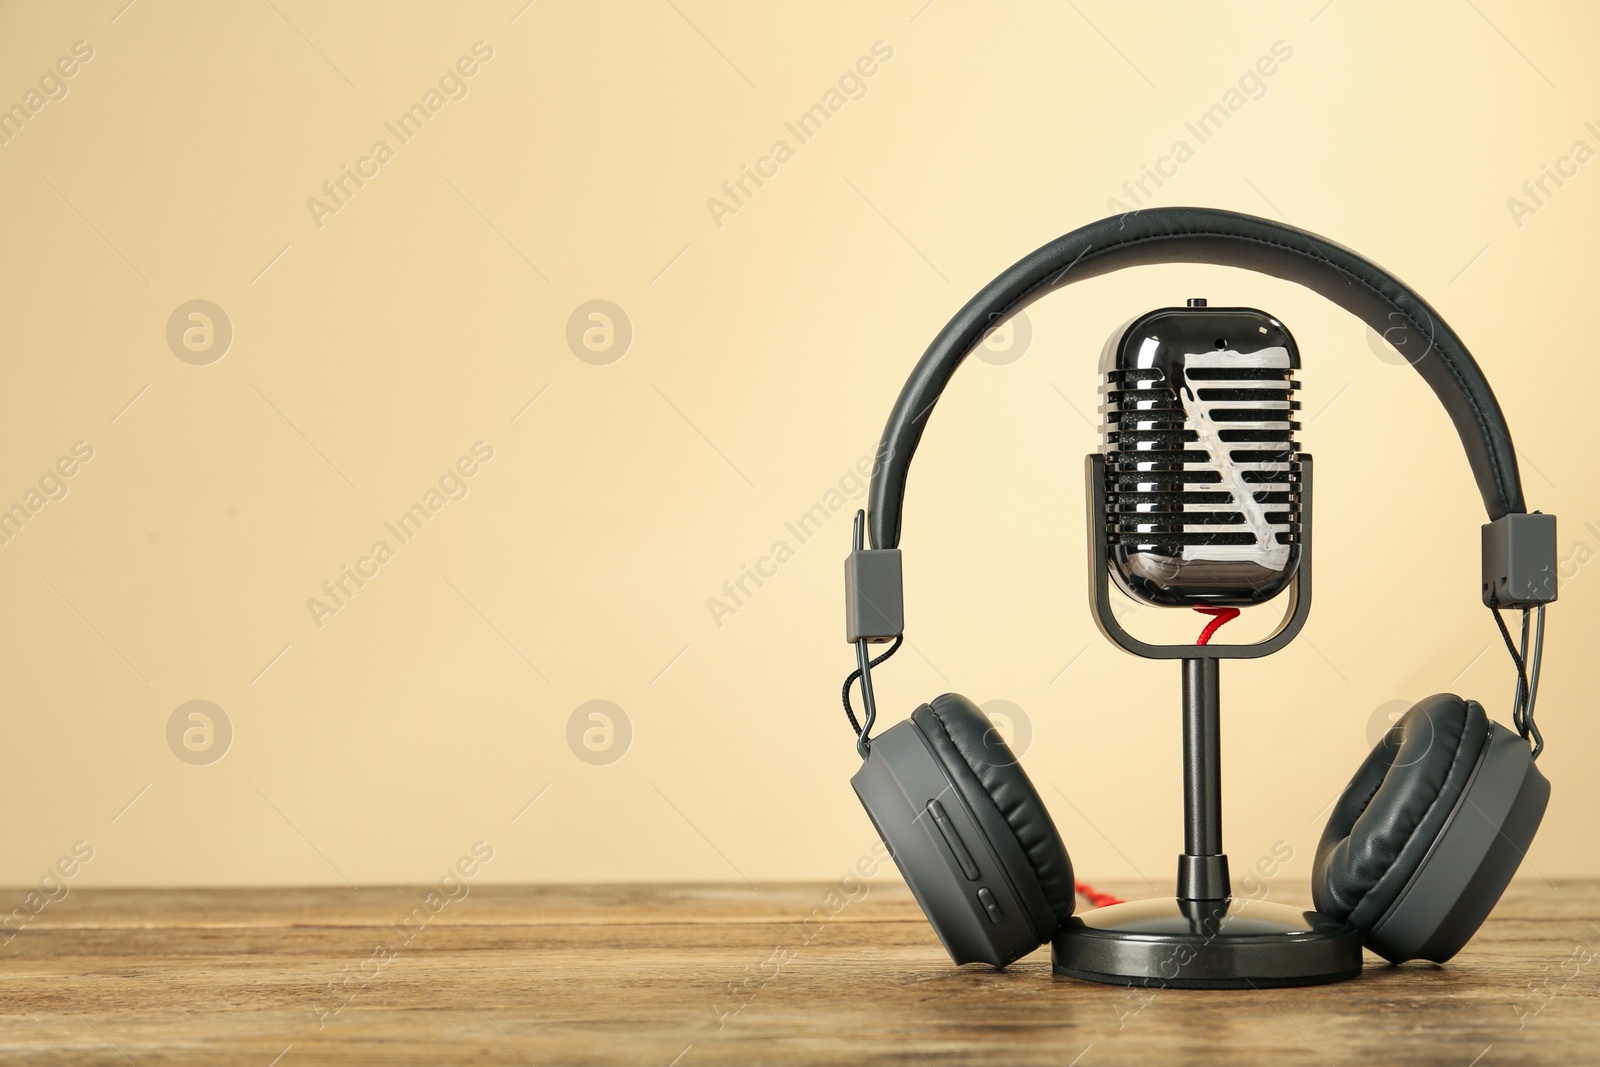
(691, 975)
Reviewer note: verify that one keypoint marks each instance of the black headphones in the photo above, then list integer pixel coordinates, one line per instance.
(1428, 833)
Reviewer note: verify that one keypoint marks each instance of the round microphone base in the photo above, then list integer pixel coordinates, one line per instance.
(1206, 944)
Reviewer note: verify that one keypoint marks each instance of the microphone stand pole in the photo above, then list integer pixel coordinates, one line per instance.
(1203, 868)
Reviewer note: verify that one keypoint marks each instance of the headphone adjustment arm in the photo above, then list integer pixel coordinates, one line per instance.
(874, 612)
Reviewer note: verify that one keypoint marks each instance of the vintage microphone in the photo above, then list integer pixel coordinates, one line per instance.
(1199, 497)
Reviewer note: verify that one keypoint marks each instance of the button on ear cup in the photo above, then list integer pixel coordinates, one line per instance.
(1006, 806)
(1395, 807)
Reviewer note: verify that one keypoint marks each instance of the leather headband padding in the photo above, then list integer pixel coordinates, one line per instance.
(1226, 238)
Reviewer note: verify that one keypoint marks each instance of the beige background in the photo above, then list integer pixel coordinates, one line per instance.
(431, 309)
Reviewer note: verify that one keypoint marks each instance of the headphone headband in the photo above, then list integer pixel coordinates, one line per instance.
(1231, 239)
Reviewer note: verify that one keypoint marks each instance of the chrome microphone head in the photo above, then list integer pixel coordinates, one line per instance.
(1202, 472)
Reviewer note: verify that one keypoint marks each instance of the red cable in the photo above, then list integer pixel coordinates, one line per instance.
(1220, 618)
(1095, 897)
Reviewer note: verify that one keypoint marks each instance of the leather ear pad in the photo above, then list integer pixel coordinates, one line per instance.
(1395, 808)
(1006, 806)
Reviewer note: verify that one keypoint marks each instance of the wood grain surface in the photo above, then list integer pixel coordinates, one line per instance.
(690, 975)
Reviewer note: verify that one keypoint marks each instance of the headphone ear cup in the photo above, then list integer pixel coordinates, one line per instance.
(1002, 798)
(1428, 833)
(1393, 809)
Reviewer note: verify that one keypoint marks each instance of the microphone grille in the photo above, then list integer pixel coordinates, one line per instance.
(1202, 472)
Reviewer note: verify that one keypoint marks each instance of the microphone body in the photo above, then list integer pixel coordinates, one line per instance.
(1202, 469)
